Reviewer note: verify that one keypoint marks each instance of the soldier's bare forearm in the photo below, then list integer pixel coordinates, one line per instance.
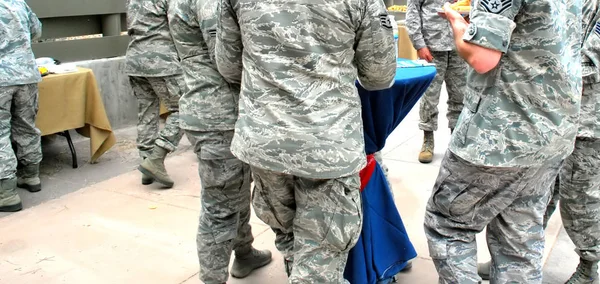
(480, 58)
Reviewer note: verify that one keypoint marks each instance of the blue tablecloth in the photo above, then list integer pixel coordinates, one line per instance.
(384, 247)
(383, 110)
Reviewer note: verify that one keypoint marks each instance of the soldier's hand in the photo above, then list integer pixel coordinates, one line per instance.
(425, 54)
(457, 21)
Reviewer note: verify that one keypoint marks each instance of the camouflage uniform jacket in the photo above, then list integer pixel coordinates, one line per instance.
(210, 103)
(524, 111)
(151, 52)
(589, 118)
(18, 27)
(426, 28)
(300, 112)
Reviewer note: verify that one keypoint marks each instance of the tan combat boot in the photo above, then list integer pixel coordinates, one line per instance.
(146, 179)
(426, 155)
(154, 167)
(246, 262)
(28, 178)
(586, 273)
(9, 199)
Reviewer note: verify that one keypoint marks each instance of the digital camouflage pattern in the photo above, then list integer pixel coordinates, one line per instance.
(150, 91)
(300, 112)
(589, 114)
(452, 69)
(579, 180)
(511, 202)
(225, 197)
(316, 222)
(523, 112)
(18, 110)
(425, 26)
(208, 112)
(590, 52)
(589, 119)
(580, 197)
(151, 52)
(210, 103)
(19, 26)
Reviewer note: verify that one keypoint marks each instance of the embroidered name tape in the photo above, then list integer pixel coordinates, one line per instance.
(495, 6)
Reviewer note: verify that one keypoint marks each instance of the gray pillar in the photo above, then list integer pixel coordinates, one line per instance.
(111, 25)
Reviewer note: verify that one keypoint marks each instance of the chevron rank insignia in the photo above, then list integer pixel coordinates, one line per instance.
(597, 29)
(212, 33)
(385, 21)
(495, 6)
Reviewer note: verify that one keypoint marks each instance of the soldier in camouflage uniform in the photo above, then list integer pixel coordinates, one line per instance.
(518, 125)
(19, 76)
(300, 125)
(578, 184)
(580, 175)
(431, 36)
(208, 111)
(155, 75)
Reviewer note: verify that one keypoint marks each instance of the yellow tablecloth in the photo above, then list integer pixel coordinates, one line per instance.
(72, 101)
(405, 47)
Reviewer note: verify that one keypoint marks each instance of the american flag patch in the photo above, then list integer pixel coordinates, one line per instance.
(212, 33)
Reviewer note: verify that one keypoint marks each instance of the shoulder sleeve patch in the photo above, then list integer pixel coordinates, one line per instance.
(495, 6)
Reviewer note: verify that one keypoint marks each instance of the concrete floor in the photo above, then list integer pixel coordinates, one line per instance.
(98, 224)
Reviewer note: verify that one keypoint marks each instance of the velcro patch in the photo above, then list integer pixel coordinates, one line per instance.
(385, 21)
(597, 29)
(212, 33)
(496, 6)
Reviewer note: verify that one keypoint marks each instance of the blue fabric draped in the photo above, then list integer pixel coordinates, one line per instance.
(382, 111)
(384, 247)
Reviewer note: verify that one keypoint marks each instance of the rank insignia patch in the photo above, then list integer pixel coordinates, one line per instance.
(495, 6)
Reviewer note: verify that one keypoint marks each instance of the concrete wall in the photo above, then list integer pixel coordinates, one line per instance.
(119, 102)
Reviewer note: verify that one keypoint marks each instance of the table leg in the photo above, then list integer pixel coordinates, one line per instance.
(71, 147)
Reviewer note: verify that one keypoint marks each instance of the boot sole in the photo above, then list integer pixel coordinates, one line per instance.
(31, 188)
(257, 266)
(147, 182)
(150, 174)
(12, 208)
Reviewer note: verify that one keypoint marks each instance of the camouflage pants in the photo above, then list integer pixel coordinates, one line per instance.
(452, 69)
(225, 213)
(580, 197)
(150, 91)
(510, 201)
(18, 110)
(316, 222)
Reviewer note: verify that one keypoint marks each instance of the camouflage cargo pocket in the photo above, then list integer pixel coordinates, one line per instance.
(458, 194)
(345, 223)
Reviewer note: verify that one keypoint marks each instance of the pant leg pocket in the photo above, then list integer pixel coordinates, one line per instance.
(344, 224)
(455, 194)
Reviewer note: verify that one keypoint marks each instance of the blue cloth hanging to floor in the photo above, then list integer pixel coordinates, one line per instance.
(384, 247)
